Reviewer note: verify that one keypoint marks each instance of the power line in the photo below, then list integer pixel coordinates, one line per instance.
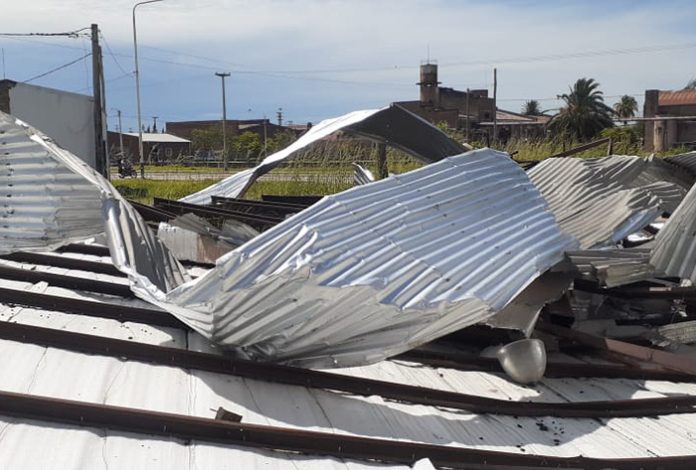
(57, 68)
(70, 34)
(111, 53)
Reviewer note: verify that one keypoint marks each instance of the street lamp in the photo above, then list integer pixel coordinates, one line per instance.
(137, 89)
(224, 75)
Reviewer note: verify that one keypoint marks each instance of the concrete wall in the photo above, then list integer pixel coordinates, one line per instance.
(65, 117)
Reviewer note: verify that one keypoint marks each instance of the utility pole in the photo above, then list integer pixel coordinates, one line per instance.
(382, 168)
(468, 92)
(137, 89)
(120, 134)
(265, 135)
(154, 125)
(223, 75)
(279, 113)
(101, 163)
(495, 105)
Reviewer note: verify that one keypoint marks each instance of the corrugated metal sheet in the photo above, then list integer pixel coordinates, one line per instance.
(393, 125)
(361, 175)
(378, 269)
(685, 160)
(614, 267)
(674, 252)
(44, 204)
(601, 201)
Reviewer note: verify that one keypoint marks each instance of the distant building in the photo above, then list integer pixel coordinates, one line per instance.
(168, 146)
(67, 118)
(669, 119)
(473, 108)
(233, 127)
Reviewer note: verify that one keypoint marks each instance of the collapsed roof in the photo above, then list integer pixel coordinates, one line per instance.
(450, 244)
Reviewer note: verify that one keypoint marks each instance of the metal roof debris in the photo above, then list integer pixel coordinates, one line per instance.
(393, 125)
(371, 271)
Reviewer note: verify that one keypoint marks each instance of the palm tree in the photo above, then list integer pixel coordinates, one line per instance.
(531, 108)
(584, 114)
(626, 107)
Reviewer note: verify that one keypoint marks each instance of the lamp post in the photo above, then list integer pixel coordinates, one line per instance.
(223, 75)
(137, 89)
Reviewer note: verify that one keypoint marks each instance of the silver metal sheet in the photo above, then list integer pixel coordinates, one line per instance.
(613, 267)
(44, 204)
(674, 253)
(361, 175)
(601, 201)
(380, 268)
(360, 275)
(393, 125)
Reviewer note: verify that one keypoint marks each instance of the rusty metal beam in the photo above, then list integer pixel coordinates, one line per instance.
(185, 427)
(130, 350)
(63, 262)
(668, 360)
(637, 291)
(69, 282)
(89, 308)
(208, 212)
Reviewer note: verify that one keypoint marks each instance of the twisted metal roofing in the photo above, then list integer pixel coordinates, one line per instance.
(601, 201)
(44, 204)
(393, 125)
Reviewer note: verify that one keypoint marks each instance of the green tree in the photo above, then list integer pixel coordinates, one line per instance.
(531, 108)
(207, 139)
(246, 145)
(626, 107)
(584, 114)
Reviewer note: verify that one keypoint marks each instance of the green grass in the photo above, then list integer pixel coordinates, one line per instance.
(145, 191)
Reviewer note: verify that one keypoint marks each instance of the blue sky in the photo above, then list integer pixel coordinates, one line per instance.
(318, 59)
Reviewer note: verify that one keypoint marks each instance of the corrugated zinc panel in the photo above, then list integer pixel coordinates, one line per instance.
(601, 201)
(380, 268)
(44, 204)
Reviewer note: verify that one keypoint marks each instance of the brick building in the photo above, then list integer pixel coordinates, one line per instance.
(472, 108)
(669, 119)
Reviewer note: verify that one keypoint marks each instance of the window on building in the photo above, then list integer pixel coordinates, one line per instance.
(486, 115)
(168, 152)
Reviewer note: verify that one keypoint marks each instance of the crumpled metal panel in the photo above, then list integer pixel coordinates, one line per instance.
(360, 275)
(361, 175)
(379, 269)
(674, 253)
(613, 267)
(685, 160)
(601, 201)
(44, 204)
(393, 125)
(101, 208)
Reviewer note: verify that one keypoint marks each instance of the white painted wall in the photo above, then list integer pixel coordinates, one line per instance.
(65, 117)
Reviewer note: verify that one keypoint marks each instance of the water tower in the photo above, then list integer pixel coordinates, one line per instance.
(429, 90)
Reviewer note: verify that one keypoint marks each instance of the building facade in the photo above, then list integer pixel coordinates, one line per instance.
(669, 119)
(156, 147)
(472, 110)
